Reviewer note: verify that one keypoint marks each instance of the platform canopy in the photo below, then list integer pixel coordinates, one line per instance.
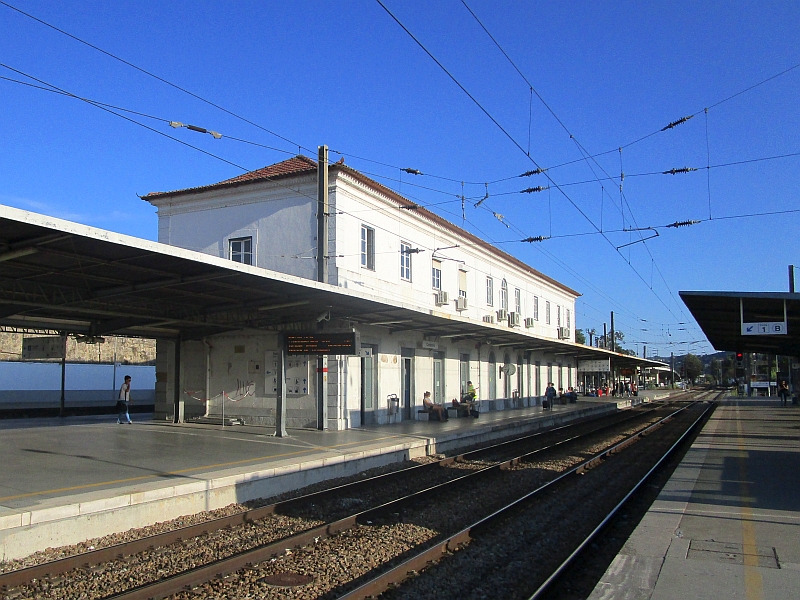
(61, 276)
(721, 314)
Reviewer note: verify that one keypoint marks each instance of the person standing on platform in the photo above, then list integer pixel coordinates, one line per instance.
(124, 401)
(550, 395)
(783, 392)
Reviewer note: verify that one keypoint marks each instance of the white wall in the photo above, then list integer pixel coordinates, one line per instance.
(357, 205)
(282, 223)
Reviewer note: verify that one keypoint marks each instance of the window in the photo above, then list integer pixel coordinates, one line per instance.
(536, 308)
(405, 261)
(568, 320)
(489, 291)
(558, 315)
(517, 301)
(368, 247)
(241, 250)
(503, 295)
(462, 283)
(436, 275)
(547, 312)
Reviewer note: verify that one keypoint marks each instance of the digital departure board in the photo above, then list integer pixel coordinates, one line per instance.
(322, 343)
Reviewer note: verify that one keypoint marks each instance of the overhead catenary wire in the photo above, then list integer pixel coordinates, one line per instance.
(312, 151)
(566, 129)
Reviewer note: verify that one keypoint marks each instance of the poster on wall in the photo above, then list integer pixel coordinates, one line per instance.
(297, 375)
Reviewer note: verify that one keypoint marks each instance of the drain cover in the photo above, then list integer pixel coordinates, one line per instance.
(732, 553)
(287, 579)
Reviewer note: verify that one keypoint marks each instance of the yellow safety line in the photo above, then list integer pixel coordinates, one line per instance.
(753, 585)
(189, 470)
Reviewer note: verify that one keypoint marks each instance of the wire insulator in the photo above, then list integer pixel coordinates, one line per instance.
(676, 123)
(538, 238)
(683, 223)
(538, 188)
(676, 171)
(411, 171)
(534, 172)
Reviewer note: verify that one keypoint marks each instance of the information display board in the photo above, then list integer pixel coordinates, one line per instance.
(322, 343)
(42, 347)
(602, 365)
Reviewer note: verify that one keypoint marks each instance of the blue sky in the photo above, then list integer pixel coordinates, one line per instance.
(345, 74)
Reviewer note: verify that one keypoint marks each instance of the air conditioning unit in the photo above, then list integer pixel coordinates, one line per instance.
(441, 298)
(529, 322)
(461, 303)
(513, 319)
(563, 333)
(488, 318)
(502, 314)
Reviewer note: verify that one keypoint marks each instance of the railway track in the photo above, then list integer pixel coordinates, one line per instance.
(290, 527)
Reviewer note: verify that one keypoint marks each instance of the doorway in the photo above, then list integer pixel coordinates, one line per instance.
(407, 381)
(438, 377)
(463, 370)
(369, 392)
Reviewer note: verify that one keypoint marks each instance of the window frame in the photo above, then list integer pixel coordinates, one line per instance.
(489, 291)
(367, 247)
(436, 274)
(536, 308)
(547, 312)
(517, 301)
(405, 261)
(462, 278)
(504, 295)
(242, 253)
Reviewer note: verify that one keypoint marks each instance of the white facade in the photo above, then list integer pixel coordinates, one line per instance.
(407, 255)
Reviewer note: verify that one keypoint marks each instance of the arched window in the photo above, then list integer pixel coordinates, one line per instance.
(504, 295)
(492, 376)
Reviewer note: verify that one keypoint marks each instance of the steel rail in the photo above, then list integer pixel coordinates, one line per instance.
(240, 560)
(94, 557)
(193, 577)
(419, 561)
(582, 546)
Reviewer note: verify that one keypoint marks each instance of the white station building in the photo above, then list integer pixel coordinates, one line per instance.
(381, 243)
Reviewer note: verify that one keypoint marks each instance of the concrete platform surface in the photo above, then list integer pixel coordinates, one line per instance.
(66, 480)
(727, 525)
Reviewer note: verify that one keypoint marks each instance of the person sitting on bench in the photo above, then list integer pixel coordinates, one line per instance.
(440, 410)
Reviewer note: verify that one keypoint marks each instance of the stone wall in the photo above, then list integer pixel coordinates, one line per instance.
(134, 351)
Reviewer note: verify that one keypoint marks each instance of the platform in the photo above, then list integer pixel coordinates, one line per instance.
(64, 481)
(727, 524)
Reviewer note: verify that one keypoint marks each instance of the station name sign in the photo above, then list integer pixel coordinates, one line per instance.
(322, 343)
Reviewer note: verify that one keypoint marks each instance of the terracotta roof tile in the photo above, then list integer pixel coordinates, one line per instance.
(293, 166)
(303, 165)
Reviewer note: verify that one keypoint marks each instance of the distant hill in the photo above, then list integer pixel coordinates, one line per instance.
(706, 359)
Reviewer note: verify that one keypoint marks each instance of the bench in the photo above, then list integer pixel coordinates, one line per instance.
(423, 414)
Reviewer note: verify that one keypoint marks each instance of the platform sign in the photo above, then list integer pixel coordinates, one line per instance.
(346, 343)
(42, 347)
(766, 328)
(773, 327)
(602, 365)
